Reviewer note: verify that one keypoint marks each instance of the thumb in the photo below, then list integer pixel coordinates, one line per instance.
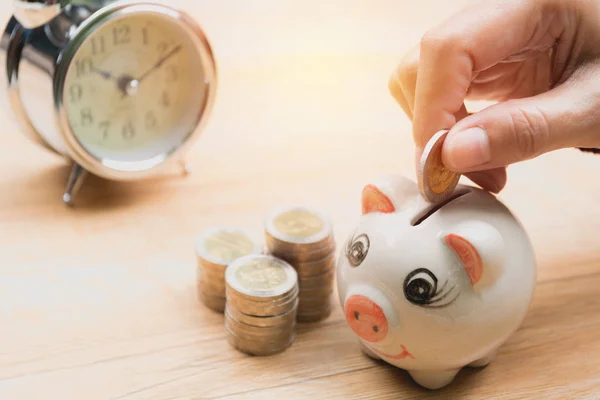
(522, 129)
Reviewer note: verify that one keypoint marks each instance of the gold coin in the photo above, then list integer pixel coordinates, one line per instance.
(262, 308)
(313, 303)
(215, 303)
(284, 319)
(223, 245)
(211, 288)
(212, 273)
(324, 246)
(297, 224)
(314, 316)
(436, 182)
(228, 246)
(262, 301)
(318, 281)
(320, 291)
(278, 338)
(299, 253)
(313, 268)
(260, 333)
(261, 276)
(254, 348)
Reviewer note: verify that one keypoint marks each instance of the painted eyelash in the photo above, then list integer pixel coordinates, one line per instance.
(439, 294)
(349, 243)
(441, 298)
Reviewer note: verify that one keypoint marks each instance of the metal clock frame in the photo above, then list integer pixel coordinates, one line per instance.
(77, 20)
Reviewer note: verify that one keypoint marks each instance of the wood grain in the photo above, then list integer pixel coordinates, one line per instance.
(98, 302)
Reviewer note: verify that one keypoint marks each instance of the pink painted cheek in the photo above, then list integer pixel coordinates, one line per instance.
(366, 318)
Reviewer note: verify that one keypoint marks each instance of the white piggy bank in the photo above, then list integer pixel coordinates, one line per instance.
(433, 288)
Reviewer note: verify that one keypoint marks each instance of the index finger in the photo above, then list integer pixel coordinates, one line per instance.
(475, 39)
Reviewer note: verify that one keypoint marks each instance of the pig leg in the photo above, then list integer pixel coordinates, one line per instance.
(368, 351)
(433, 379)
(483, 361)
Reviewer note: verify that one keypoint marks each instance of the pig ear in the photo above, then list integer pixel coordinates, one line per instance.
(388, 194)
(374, 200)
(479, 248)
(468, 254)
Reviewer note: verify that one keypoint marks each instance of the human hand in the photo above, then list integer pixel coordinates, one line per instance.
(539, 59)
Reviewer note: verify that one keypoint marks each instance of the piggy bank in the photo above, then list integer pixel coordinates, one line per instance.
(432, 288)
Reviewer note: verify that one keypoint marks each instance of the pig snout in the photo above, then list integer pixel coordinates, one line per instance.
(366, 318)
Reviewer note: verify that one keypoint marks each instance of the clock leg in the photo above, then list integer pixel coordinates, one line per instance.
(185, 168)
(78, 175)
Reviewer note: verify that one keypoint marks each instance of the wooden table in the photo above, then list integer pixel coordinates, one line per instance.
(98, 301)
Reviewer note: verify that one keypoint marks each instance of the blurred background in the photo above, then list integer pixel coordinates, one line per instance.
(303, 115)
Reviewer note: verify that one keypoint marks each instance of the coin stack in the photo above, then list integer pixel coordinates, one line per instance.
(303, 237)
(262, 300)
(216, 248)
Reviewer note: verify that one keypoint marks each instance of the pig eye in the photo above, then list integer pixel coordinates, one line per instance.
(421, 288)
(357, 249)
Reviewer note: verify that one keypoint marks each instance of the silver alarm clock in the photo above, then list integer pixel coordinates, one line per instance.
(119, 88)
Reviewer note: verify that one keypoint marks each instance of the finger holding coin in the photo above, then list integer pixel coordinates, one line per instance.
(436, 182)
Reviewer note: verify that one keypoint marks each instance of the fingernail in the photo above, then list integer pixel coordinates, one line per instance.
(466, 149)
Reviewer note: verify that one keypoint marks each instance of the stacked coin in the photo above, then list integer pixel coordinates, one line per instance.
(262, 300)
(303, 237)
(216, 248)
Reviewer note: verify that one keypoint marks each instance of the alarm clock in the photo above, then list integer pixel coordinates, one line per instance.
(120, 89)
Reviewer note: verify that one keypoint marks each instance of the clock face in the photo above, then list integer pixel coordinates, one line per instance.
(135, 87)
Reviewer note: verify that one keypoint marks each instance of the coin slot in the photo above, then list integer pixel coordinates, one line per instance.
(428, 212)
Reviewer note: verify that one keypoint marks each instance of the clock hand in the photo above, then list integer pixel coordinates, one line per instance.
(104, 74)
(121, 85)
(132, 85)
(159, 63)
(122, 82)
